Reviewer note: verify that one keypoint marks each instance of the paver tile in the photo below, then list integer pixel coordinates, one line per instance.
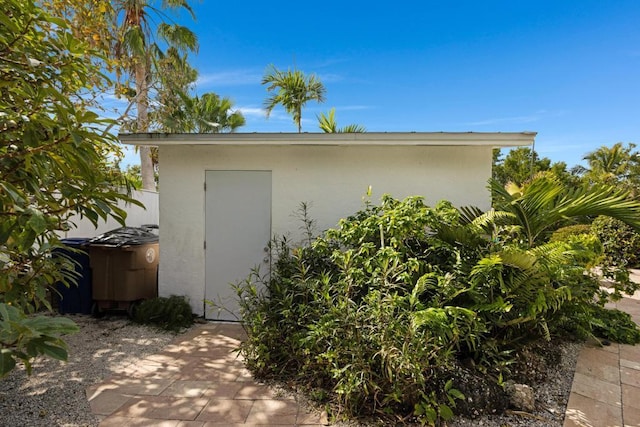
(222, 390)
(602, 371)
(630, 352)
(630, 364)
(226, 363)
(191, 350)
(598, 356)
(226, 411)
(259, 392)
(206, 374)
(596, 389)
(631, 417)
(630, 396)
(233, 331)
(267, 411)
(611, 348)
(190, 424)
(272, 424)
(162, 407)
(181, 388)
(629, 305)
(630, 376)
(166, 358)
(107, 402)
(245, 376)
(137, 422)
(134, 386)
(149, 370)
(586, 412)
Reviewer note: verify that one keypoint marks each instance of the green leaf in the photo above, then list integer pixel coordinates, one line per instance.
(431, 414)
(37, 222)
(456, 394)
(57, 352)
(7, 362)
(445, 412)
(52, 326)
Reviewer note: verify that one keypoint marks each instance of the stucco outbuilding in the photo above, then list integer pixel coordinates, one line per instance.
(223, 196)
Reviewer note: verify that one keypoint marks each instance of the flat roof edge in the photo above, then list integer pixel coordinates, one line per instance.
(496, 139)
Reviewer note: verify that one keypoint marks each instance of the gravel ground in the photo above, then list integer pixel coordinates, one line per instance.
(54, 395)
(551, 398)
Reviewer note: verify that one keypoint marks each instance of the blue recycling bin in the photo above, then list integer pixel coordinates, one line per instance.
(76, 299)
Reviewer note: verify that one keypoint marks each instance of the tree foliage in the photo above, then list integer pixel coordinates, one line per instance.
(176, 78)
(206, 113)
(53, 167)
(522, 164)
(142, 34)
(621, 242)
(608, 166)
(292, 89)
(615, 165)
(328, 124)
(539, 207)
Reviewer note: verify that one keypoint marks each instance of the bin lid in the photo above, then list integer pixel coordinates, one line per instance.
(124, 236)
(74, 241)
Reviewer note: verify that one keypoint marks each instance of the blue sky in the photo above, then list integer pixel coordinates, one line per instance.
(569, 70)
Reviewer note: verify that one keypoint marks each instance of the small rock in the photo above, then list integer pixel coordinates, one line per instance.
(521, 397)
(324, 418)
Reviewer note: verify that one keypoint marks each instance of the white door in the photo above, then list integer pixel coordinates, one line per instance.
(238, 230)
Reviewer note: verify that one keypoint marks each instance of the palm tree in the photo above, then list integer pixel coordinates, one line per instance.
(539, 207)
(616, 165)
(207, 113)
(292, 90)
(137, 48)
(176, 77)
(328, 124)
(612, 161)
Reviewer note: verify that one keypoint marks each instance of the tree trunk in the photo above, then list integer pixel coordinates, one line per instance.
(142, 104)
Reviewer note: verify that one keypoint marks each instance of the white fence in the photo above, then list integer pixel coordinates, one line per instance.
(136, 216)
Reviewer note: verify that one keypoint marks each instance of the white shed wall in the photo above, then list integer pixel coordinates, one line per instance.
(136, 216)
(332, 179)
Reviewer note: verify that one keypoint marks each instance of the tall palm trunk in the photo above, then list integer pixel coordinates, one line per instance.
(142, 105)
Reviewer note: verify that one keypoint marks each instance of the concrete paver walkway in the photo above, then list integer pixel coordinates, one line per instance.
(197, 381)
(606, 384)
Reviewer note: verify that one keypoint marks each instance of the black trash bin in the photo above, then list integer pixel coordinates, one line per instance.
(124, 265)
(75, 299)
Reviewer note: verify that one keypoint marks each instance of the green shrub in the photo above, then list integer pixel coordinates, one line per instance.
(563, 234)
(403, 306)
(615, 325)
(621, 243)
(172, 313)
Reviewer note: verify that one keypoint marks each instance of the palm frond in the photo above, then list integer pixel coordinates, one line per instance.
(352, 128)
(327, 122)
(545, 202)
(178, 36)
(469, 213)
